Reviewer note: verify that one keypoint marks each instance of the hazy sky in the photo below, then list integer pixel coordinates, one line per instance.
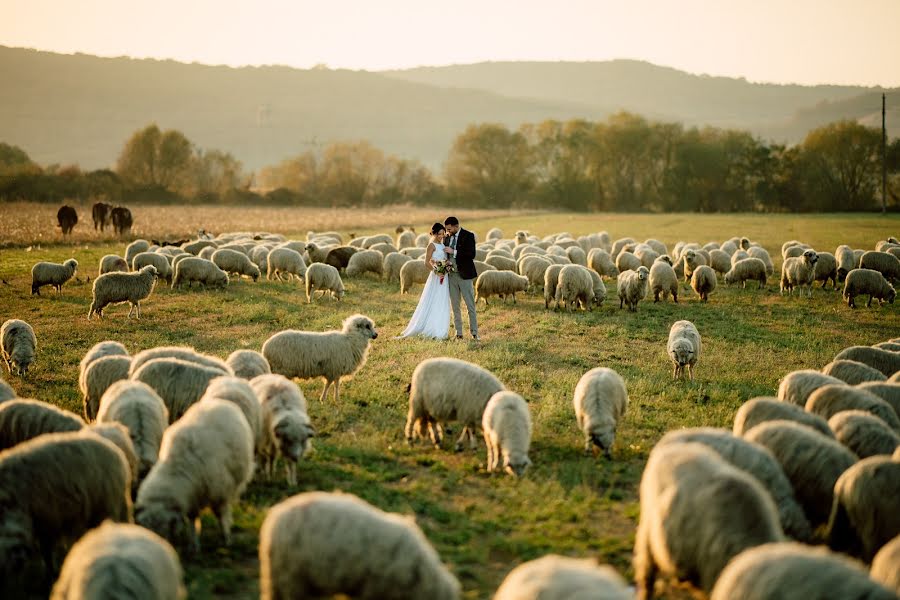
(803, 41)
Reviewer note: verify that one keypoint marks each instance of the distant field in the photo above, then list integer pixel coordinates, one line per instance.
(482, 526)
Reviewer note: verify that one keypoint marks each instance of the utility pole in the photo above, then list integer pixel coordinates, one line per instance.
(883, 157)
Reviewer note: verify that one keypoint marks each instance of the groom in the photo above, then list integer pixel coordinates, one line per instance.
(460, 247)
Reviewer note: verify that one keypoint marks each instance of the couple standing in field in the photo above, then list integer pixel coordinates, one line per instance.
(451, 257)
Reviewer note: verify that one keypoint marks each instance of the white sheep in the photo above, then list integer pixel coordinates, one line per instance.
(135, 248)
(763, 255)
(863, 433)
(178, 382)
(99, 375)
(22, 420)
(551, 279)
(846, 262)
(323, 278)
(683, 347)
(180, 352)
(114, 288)
(163, 268)
(599, 260)
(47, 273)
(501, 263)
(500, 283)
(18, 344)
(506, 425)
(241, 393)
(412, 272)
(626, 261)
(391, 265)
(887, 391)
(720, 261)
(366, 261)
(632, 287)
(600, 400)
(554, 577)
(663, 279)
(6, 391)
(494, 234)
(861, 282)
(111, 263)
(285, 261)
(286, 427)
(752, 269)
(826, 268)
(599, 287)
(886, 361)
(406, 239)
(235, 262)
(197, 245)
(798, 385)
(247, 364)
(203, 271)
(325, 544)
(693, 259)
(139, 408)
(799, 271)
(207, 252)
(852, 371)
(886, 566)
(703, 281)
(119, 561)
(831, 399)
(762, 409)
(575, 287)
(533, 267)
(118, 435)
(884, 262)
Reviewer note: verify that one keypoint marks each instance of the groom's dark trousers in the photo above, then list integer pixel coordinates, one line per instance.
(462, 281)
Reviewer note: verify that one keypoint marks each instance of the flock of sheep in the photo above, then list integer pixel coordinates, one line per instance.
(167, 432)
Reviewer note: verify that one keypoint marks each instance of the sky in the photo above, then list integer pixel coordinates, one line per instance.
(781, 41)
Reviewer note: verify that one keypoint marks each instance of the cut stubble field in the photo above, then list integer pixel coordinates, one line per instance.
(482, 525)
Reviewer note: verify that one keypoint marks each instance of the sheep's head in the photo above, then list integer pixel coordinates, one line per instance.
(690, 257)
(167, 521)
(729, 276)
(150, 269)
(682, 352)
(811, 257)
(664, 258)
(643, 273)
(891, 294)
(745, 243)
(220, 279)
(604, 438)
(71, 264)
(516, 464)
(362, 325)
(293, 431)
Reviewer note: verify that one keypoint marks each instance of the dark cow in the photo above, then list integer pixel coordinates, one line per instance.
(101, 214)
(121, 220)
(66, 219)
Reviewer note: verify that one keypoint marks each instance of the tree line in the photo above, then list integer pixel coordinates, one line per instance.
(625, 163)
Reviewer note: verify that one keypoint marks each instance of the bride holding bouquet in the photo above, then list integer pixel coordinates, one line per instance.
(432, 316)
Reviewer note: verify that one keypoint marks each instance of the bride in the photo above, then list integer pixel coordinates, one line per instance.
(432, 316)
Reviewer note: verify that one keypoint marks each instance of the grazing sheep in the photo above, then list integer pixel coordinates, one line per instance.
(663, 279)
(382, 248)
(416, 252)
(534, 267)
(632, 287)
(391, 264)
(599, 287)
(241, 393)
(236, 263)
(434, 400)
(286, 430)
(864, 516)
(703, 282)
(886, 566)
(887, 391)
(99, 375)
(295, 245)
(867, 282)
(322, 544)
(332, 355)
(798, 271)
(406, 239)
(112, 263)
(554, 577)
(178, 382)
(494, 234)
(627, 261)
(47, 273)
(798, 385)
(831, 399)
(551, 279)
(22, 420)
(247, 364)
(6, 391)
(697, 513)
(884, 262)
(285, 261)
(506, 425)
(599, 260)
(366, 261)
(684, 347)
(118, 435)
(846, 262)
(761, 254)
(620, 245)
(789, 570)
(575, 287)
(115, 288)
(890, 346)
(883, 360)
(762, 409)
(826, 268)
(317, 253)
(180, 352)
(163, 268)
(811, 461)
(752, 269)
(600, 400)
(203, 271)
(120, 561)
(18, 344)
(207, 252)
(738, 256)
(98, 350)
(864, 433)
(73, 480)
(576, 255)
(412, 272)
(500, 283)
(852, 371)
(323, 278)
(340, 257)
(719, 260)
(206, 459)
(196, 246)
(501, 263)
(140, 409)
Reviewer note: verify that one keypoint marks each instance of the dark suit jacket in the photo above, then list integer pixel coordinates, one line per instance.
(465, 254)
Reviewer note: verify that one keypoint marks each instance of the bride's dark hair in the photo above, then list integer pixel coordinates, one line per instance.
(437, 227)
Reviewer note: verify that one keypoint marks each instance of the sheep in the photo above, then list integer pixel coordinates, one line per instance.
(826, 268)
(47, 273)
(415, 252)
(867, 282)
(135, 248)
(554, 577)
(811, 461)
(500, 283)
(6, 392)
(18, 345)
(846, 262)
(738, 256)
(200, 270)
(333, 355)
(422, 240)
(762, 409)
(551, 279)
(619, 245)
(501, 263)
(852, 371)
(887, 391)
(501, 252)
(381, 238)
(796, 386)
(663, 279)
(703, 282)
(761, 254)
(795, 251)
(576, 255)
(98, 350)
(163, 268)
(241, 393)
(626, 261)
(799, 271)
(236, 263)
(196, 246)
(180, 352)
(383, 248)
(115, 288)
(140, 409)
(890, 346)
(178, 382)
(22, 420)
(720, 261)
(506, 425)
(206, 459)
(111, 263)
(885, 263)
(98, 376)
(534, 267)
(340, 257)
(886, 566)
(247, 364)
(318, 253)
(366, 261)
(599, 260)
(599, 287)
(323, 278)
(434, 400)
(324, 544)
(756, 461)
(412, 272)
(295, 245)
(575, 287)
(789, 570)
(405, 239)
(830, 399)
(284, 261)
(883, 360)
(120, 560)
(864, 515)
(692, 260)
(683, 347)
(632, 287)
(494, 234)
(207, 253)
(286, 430)
(863, 433)
(600, 400)
(391, 264)
(119, 436)
(697, 513)
(752, 269)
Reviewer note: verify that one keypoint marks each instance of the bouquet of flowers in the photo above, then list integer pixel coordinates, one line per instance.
(442, 268)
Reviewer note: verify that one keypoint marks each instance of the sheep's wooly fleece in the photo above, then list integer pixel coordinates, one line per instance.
(852, 371)
(136, 406)
(788, 571)
(99, 375)
(863, 433)
(797, 386)
(178, 382)
(247, 364)
(22, 420)
(762, 409)
(98, 350)
(120, 560)
(180, 352)
(882, 360)
(554, 577)
(507, 433)
(116, 287)
(886, 565)
(600, 399)
(6, 391)
(831, 399)
(18, 345)
(323, 544)
(697, 513)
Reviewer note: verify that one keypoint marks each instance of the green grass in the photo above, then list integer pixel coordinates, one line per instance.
(481, 525)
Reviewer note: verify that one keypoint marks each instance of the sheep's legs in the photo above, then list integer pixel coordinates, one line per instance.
(490, 453)
(691, 371)
(223, 512)
(325, 391)
(462, 436)
(675, 372)
(337, 387)
(290, 472)
(644, 566)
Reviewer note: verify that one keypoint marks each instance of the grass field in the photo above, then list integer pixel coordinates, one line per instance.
(482, 525)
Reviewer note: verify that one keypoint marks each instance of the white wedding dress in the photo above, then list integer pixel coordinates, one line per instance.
(432, 316)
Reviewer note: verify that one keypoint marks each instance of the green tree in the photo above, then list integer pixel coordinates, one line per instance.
(843, 168)
(155, 158)
(489, 165)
